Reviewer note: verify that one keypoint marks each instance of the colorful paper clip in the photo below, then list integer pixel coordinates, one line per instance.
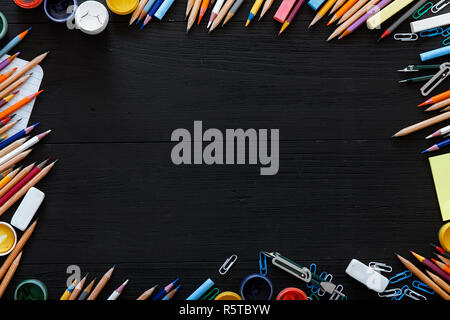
(422, 287)
(400, 276)
(313, 296)
(227, 264)
(262, 263)
(313, 270)
(442, 74)
(439, 6)
(446, 32)
(211, 294)
(422, 10)
(378, 266)
(406, 36)
(431, 32)
(414, 295)
(446, 41)
(390, 293)
(400, 297)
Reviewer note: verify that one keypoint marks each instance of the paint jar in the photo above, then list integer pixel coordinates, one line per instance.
(228, 295)
(122, 7)
(60, 10)
(292, 294)
(256, 287)
(31, 289)
(28, 4)
(444, 236)
(91, 17)
(8, 238)
(3, 26)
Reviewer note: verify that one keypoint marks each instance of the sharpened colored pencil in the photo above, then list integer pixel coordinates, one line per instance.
(78, 288)
(19, 157)
(189, 6)
(203, 7)
(86, 290)
(9, 177)
(6, 128)
(66, 294)
(152, 11)
(439, 105)
(438, 146)
(232, 11)
(4, 121)
(322, 12)
(6, 75)
(443, 259)
(253, 11)
(336, 6)
(431, 266)
(441, 132)
(8, 61)
(214, 12)
(145, 295)
(193, 14)
(223, 11)
(116, 293)
(101, 284)
(423, 124)
(342, 10)
(441, 265)
(355, 8)
(138, 11)
(12, 269)
(22, 173)
(170, 295)
(266, 7)
(8, 98)
(436, 98)
(14, 42)
(19, 104)
(15, 85)
(291, 15)
(165, 290)
(22, 133)
(439, 281)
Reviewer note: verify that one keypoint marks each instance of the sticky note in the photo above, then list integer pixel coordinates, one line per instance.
(440, 167)
(283, 10)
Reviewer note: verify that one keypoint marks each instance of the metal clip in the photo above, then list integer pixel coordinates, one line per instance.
(328, 277)
(446, 32)
(227, 264)
(422, 287)
(290, 267)
(436, 80)
(335, 295)
(390, 293)
(400, 297)
(422, 10)
(263, 263)
(211, 294)
(414, 295)
(378, 266)
(446, 41)
(313, 296)
(313, 269)
(439, 6)
(431, 32)
(406, 36)
(400, 276)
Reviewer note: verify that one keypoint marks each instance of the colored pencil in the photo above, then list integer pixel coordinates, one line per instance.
(75, 293)
(291, 15)
(7, 74)
(3, 174)
(12, 146)
(7, 128)
(352, 19)
(322, 11)
(342, 10)
(86, 290)
(138, 11)
(164, 290)
(152, 11)
(19, 104)
(336, 6)
(203, 7)
(441, 265)
(14, 42)
(439, 105)
(7, 279)
(14, 85)
(266, 7)
(8, 98)
(193, 14)
(214, 12)
(9, 177)
(439, 281)
(145, 11)
(28, 144)
(66, 294)
(16, 76)
(443, 259)
(170, 295)
(445, 109)
(101, 284)
(438, 146)
(355, 8)
(16, 179)
(18, 248)
(22, 133)
(223, 11)
(422, 276)
(431, 266)
(253, 11)
(423, 124)
(189, 6)
(4, 121)
(19, 157)
(436, 98)
(116, 293)
(232, 11)
(8, 61)
(145, 295)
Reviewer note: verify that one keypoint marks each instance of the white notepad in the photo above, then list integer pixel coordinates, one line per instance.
(30, 86)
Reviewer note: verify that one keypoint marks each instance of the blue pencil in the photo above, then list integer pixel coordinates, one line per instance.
(438, 146)
(145, 10)
(22, 133)
(152, 11)
(164, 291)
(13, 42)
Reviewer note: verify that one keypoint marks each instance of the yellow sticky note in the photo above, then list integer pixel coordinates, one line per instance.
(440, 167)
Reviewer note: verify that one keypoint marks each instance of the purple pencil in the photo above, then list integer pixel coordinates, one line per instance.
(7, 61)
(364, 18)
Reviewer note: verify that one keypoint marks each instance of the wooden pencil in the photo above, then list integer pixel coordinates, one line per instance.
(87, 290)
(439, 105)
(145, 295)
(337, 5)
(423, 124)
(76, 292)
(8, 126)
(322, 11)
(7, 279)
(441, 265)
(26, 187)
(266, 7)
(16, 179)
(101, 284)
(6, 172)
(443, 259)
(19, 246)
(232, 11)
(422, 276)
(14, 85)
(352, 11)
(9, 177)
(342, 11)
(15, 159)
(193, 14)
(189, 6)
(138, 11)
(13, 146)
(439, 281)
(223, 11)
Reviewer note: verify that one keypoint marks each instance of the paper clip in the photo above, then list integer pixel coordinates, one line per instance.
(316, 289)
(422, 10)
(378, 266)
(390, 293)
(227, 264)
(414, 295)
(262, 263)
(312, 269)
(446, 41)
(422, 287)
(406, 36)
(436, 80)
(313, 296)
(439, 6)
(431, 32)
(400, 276)
(328, 277)
(446, 32)
(211, 294)
(335, 295)
(400, 296)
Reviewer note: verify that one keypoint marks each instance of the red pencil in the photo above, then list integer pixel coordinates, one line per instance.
(6, 120)
(441, 265)
(430, 265)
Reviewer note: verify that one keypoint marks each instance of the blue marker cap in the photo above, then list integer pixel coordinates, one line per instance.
(436, 53)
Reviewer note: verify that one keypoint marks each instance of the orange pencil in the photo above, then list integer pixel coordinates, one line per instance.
(203, 8)
(342, 10)
(441, 265)
(436, 98)
(6, 75)
(14, 85)
(19, 104)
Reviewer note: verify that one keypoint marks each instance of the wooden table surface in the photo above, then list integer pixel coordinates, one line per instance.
(345, 188)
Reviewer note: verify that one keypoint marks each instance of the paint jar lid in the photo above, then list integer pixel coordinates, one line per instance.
(228, 295)
(27, 4)
(60, 10)
(444, 236)
(8, 238)
(3, 25)
(256, 287)
(292, 294)
(31, 289)
(122, 7)
(91, 17)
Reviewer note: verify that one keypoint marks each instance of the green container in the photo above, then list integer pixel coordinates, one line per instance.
(31, 290)
(3, 25)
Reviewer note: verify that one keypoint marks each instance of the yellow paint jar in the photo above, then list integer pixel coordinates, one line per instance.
(8, 238)
(122, 7)
(228, 295)
(444, 236)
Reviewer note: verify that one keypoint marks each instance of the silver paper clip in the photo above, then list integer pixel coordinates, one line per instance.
(378, 266)
(406, 36)
(390, 293)
(439, 6)
(414, 295)
(335, 295)
(443, 73)
(227, 264)
(328, 277)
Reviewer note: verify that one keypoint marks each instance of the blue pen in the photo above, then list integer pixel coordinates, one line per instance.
(438, 146)
(164, 290)
(22, 133)
(149, 16)
(13, 42)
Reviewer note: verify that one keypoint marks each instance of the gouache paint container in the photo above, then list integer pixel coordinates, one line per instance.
(444, 236)
(28, 4)
(8, 238)
(292, 294)
(122, 7)
(31, 290)
(228, 295)
(256, 287)
(3, 26)
(91, 17)
(60, 10)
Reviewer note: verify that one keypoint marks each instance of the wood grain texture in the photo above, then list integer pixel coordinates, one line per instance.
(345, 189)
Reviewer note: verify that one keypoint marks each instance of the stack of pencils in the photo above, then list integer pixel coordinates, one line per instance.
(148, 10)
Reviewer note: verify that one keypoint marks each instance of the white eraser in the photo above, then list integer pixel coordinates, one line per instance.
(430, 23)
(27, 208)
(367, 276)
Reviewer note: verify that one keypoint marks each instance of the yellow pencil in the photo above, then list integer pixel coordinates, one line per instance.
(253, 11)
(9, 177)
(66, 294)
(322, 12)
